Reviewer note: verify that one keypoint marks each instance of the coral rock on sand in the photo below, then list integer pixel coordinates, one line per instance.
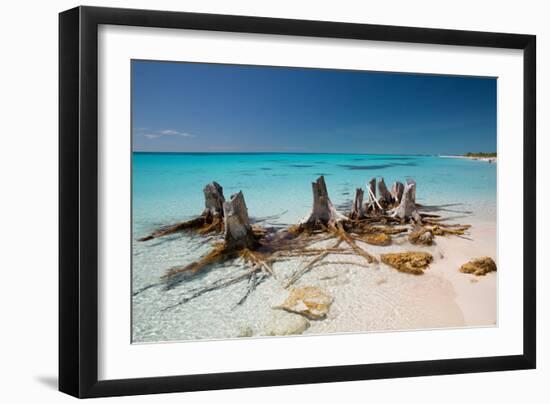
(409, 262)
(283, 323)
(377, 239)
(309, 301)
(422, 236)
(479, 266)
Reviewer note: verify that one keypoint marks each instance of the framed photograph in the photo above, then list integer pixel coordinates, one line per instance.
(251, 201)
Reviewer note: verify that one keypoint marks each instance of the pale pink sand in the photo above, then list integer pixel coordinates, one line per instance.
(475, 295)
(381, 298)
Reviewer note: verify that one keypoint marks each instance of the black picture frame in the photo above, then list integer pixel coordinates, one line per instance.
(78, 201)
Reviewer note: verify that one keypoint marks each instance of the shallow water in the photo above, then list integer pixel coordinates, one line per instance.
(167, 188)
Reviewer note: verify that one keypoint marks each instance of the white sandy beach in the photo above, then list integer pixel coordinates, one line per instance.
(484, 159)
(384, 299)
(366, 299)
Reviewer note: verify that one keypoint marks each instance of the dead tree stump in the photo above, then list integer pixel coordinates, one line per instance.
(357, 210)
(372, 204)
(397, 191)
(413, 182)
(407, 207)
(213, 200)
(385, 195)
(323, 212)
(238, 233)
(211, 218)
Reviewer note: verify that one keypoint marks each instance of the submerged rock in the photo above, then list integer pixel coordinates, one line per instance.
(479, 266)
(245, 332)
(409, 262)
(421, 236)
(378, 239)
(309, 301)
(283, 323)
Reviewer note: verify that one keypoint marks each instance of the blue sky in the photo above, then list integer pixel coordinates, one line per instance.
(186, 107)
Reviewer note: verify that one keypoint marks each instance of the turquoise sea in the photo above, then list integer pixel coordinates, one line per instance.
(167, 188)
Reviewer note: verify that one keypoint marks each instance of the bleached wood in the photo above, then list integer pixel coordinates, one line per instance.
(385, 195)
(237, 230)
(397, 191)
(323, 212)
(213, 199)
(357, 209)
(407, 208)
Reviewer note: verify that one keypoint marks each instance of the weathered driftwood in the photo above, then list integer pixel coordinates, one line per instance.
(323, 214)
(367, 223)
(211, 219)
(384, 229)
(397, 191)
(407, 209)
(372, 203)
(218, 284)
(213, 199)
(357, 209)
(238, 233)
(385, 198)
(412, 182)
(239, 240)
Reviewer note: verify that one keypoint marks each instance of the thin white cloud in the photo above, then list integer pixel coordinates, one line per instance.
(169, 132)
(166, 132)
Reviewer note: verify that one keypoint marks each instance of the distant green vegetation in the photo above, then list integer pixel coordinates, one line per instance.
(470, 154)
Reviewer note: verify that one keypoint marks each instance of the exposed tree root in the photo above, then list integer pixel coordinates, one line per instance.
(457, 230)
(219, 254)
(254, 280)
(210, 220)
(343, 235)
(195, 223)
(219, 284)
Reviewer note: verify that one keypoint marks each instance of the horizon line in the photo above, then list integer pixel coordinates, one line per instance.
(286, 152)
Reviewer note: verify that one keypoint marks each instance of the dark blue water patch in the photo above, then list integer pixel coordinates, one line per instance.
(246, 173)
(300, 165)
(266, 168)
(367, 167)
(384, 158)
(375, 166)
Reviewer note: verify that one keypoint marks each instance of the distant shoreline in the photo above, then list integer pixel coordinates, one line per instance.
(490, 160)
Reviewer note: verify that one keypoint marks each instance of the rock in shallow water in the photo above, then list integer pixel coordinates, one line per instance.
(409, 262)
(283, 323)
(479, 266)
(309, 301)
